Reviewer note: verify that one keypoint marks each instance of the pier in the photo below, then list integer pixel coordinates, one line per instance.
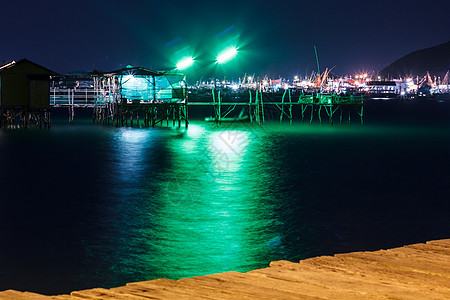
(135, 93)
(418, 271)
(258, 105)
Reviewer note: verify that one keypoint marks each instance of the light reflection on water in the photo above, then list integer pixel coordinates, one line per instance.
(117, 205)
(205, 213)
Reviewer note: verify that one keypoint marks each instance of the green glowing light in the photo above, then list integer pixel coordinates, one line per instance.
(185, 63)
(226, 55)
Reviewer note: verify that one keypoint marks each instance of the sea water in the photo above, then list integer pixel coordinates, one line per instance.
(88, 205)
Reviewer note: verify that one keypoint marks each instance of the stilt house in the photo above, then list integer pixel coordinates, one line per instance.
(25, 84)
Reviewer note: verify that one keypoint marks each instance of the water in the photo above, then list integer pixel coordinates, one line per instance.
(93, 206)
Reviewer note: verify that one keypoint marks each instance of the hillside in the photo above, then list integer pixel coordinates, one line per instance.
(435, 60)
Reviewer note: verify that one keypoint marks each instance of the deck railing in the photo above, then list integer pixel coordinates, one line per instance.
(61, 97)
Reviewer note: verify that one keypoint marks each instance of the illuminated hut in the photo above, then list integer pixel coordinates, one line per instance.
(136, 91)
(141, 85)
(25, 93)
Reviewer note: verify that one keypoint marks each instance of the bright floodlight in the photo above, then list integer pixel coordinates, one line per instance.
(226, 55)
(185, 63)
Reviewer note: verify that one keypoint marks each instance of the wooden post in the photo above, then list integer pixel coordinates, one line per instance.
(282, 107)
(257, 116)
(186, 113)
(250, 106)
(290, 109)
(220, 108)
(262, 108)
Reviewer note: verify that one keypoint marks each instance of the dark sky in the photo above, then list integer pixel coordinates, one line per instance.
(274, 37)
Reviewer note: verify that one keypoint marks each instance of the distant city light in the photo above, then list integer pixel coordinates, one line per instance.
(226, 55)
(185, 63)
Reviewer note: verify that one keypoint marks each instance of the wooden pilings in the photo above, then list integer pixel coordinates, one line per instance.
(316, 103)
(146, 114)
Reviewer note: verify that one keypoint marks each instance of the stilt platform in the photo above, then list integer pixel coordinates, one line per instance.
(260, 106)
(125, 114)
(418, 271)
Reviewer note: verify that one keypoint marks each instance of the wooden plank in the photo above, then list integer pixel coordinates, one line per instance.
(237, 290)
(346, 281)
(149, 292)
(394, 275)
(277, 288)
(16, 295)
(419, 271)
(420, 264)
(180, 287)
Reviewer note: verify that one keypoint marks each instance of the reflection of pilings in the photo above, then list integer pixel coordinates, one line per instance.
(22, 117)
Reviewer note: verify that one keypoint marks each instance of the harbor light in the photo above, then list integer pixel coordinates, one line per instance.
(185, 63)
(226, 55)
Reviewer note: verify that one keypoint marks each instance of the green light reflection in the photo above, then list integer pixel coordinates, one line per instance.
(210, 218)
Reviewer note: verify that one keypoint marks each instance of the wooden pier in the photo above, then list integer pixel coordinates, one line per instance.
(418, 271)
(258, 105)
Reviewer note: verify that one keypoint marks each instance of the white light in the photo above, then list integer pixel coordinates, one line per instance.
(185, 63)
(226, 55)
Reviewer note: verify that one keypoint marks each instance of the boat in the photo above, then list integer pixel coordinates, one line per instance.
(244, 118)
(382, 90)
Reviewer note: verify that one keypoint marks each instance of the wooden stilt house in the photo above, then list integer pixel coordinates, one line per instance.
(24, 93)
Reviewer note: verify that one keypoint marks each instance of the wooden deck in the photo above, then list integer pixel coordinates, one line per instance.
(419, 271)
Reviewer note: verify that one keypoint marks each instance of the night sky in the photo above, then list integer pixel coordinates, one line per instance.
(273, 37)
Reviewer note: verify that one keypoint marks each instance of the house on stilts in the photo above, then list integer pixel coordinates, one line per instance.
(25, 94)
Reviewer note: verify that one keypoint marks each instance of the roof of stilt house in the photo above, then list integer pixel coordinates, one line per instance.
(136, 71)
(30, 67)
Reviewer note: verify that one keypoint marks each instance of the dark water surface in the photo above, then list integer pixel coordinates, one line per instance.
(93, 206)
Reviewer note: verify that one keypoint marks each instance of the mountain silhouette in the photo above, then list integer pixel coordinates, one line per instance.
(435, 60)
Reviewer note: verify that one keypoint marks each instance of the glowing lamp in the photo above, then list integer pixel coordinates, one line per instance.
(185, 63)
(226, 55)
